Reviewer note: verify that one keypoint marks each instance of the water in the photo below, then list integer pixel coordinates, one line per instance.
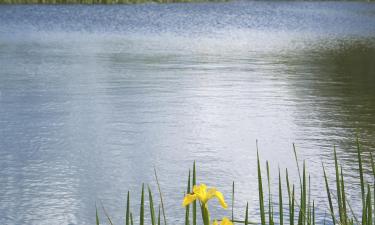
(92, 98)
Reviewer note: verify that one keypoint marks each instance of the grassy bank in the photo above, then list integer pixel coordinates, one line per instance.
(292, 205)
(104, 2)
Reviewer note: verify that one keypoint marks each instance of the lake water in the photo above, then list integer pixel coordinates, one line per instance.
(92, 98)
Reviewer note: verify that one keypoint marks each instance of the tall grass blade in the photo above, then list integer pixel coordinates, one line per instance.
(313, 213)
(270, 203)
(360, 167)
(329, 196)
(373, 173)
(194, 203)
(353, 214)
(127, 217)
(304, 191)
(372, 165)
(290, 200)
(152, 210)
(361, 172)
(260, 190)
(296, 158)
(292, 213)
(246, 214)
(97, 216)
(159, 216)
(343, 197)
(309, 210)
(106, 215)
(187, 208)
(161, 197)
(142, 208)
(338, 188)
(302, 212)
(281, 213)
(365, 211)
(232, 201)
(369, 206)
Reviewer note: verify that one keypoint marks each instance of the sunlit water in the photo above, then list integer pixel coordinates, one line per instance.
(92, 98)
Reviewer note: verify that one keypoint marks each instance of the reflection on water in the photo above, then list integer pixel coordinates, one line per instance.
(92, 98)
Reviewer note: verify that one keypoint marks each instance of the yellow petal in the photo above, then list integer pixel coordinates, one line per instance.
(201, 192)
(189, 198)
(215, 222)
(226, 221)
(212, 192)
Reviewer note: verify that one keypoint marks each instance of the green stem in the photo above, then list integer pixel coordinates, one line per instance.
(205, 214)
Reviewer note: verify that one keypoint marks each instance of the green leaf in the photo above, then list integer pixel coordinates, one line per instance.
(260, 191)
(142, 208)
(161, 197)
(194, 203)
(127, 218)
(280, 201)
(232, 201)
(152, 210)
(97, 216)
(329, 197)
(187, 208)
(246, 214)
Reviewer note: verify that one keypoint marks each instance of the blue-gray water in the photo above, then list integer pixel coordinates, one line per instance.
(92, 98)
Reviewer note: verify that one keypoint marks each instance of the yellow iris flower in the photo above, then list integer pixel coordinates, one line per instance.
(203, 194)
(225, 221)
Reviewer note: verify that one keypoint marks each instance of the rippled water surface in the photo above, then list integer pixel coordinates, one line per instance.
(92, 98)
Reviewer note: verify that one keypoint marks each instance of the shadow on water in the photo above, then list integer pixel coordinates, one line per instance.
(335, 88)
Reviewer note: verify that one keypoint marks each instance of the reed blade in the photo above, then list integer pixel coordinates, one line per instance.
(313, 213)
(373, 174)
(194, 203)
(360, 172)
(296, 158)
(246, 214)
(152, 210)
(127, 217)
(187, 208)
(233, 201)
(338, 188)
(329, 196)
(270, 203)
(260, 190)
(106, 215)
(291, 219)
(142, 208)
(293, 209)
(159, 216)
(343, 197)
(161, 197)
(97, 216)
(369, 206)
(281, 213)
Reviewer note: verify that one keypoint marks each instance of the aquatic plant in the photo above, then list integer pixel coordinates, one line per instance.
(298, 210)
(201, 194)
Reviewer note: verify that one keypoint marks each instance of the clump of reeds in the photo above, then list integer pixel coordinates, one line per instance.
(297, 209)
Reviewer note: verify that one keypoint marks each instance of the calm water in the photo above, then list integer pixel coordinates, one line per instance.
(93, 97)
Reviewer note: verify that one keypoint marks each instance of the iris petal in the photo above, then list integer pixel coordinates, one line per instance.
(189, 198)
(220, 197)
(212, 192)
(201, 192)
(226, 221)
